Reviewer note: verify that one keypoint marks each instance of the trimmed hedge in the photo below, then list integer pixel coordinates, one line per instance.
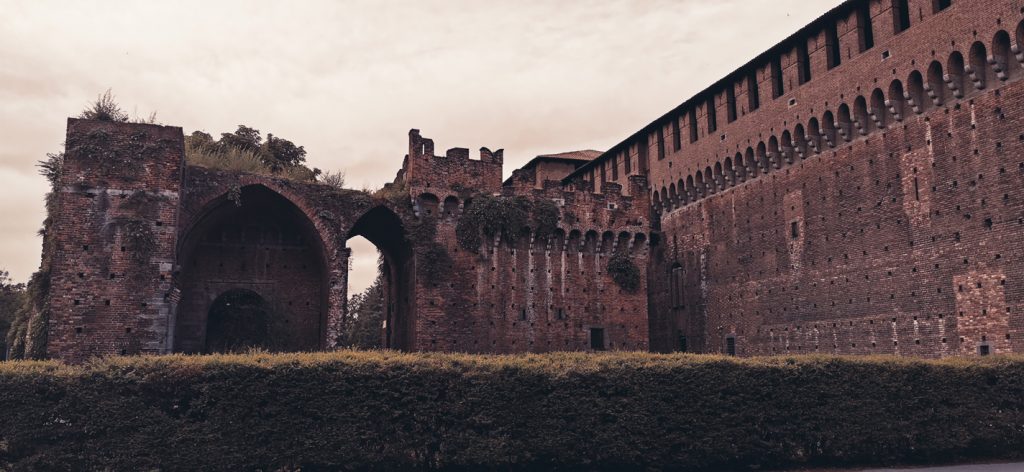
(382, 410)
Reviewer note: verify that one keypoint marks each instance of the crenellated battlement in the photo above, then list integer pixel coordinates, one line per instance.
(856, 189)
(424, 172)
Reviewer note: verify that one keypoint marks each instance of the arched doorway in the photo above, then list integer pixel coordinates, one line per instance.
(384, 229)
(251, 249)
(239, 319)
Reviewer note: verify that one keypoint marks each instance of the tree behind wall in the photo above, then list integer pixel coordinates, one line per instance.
(11, 300)
(366, 313)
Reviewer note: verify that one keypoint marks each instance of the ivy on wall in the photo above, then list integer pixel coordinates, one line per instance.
(121, 158)
(489, 216)
(434, 261)
(624, 272)
(137, 235)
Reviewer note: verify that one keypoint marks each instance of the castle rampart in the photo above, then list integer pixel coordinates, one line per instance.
(855, 190)
(808, 199)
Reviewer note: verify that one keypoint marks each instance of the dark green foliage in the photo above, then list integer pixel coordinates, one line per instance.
(624, 272)
(395, 193)
(244, 139)
(278, 153)
(487, 216)
(545, 217)
(366, 313)
(51, 167)
(388, 411)
(12, 297)
(569, 217)
(422, 231)
(284, 152)
(433, 261)
(26, 337)
(245, 151)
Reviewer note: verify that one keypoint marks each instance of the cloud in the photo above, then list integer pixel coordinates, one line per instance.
(348, 79)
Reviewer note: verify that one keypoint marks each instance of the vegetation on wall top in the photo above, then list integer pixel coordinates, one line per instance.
(488, 216)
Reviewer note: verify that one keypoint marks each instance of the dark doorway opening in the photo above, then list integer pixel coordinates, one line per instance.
(239, 319)
(597, 339)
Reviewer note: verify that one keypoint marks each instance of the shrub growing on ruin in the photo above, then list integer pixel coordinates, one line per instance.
(245, 151)
(105, 108)
(488, 216)
(545, 217)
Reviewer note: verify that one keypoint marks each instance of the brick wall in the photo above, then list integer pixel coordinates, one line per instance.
(844, 216)
(535, 294)
(215, 234)
(115, 239)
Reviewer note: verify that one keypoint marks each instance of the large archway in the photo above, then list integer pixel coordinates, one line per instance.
(384, 229)
(253, 274)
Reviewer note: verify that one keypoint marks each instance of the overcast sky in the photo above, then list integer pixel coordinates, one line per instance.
(348, 79)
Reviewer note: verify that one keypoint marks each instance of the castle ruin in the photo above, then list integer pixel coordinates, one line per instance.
(855, 189)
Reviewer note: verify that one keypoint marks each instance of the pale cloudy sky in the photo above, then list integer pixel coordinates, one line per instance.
(348, 79)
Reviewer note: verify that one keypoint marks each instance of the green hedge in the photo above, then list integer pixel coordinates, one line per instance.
(381, 410)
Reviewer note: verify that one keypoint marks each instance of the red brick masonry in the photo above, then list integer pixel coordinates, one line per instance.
(855, 189)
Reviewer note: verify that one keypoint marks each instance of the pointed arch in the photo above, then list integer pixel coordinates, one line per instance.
(382, 227)
(213, 256)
